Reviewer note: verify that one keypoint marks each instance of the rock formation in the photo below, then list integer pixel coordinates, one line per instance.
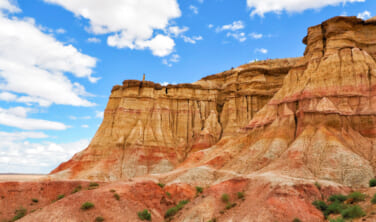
(149, 128)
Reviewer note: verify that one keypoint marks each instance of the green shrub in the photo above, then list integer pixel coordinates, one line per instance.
(339, 219)
(199, 189)
(174, 210)
(144, 215)
(99, 219)
(112, 191)
(213, 220)
(161, 185)
(240, 195)
(87, 206)
(373, 200)
(334, 208)
(319, 204)
(230, 205)
(356, 196)
(20, 213)
(225, 198)
(296, 220)
(77, 189)
(61, 196)
(93, 184)
(353, 212)
(34, 200)
(117, 196)
(372, 182)
(318, 185)
(168, 194)
(337, 198)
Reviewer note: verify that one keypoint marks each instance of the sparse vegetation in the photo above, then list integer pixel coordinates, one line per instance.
(117, 196)
(225, 198)
(213, 220)
(161, 185)
(353, 212)
(296, 220)
(112, 191)
(318, 185)
(174, 210)
(321, 205)
(77, 189)
(339, 219)
(199, 190)
(372, 182)
(61, 196)
(20, 213)
(93, 185)
(337, 198)
(168, 194)
(240, 195)
(87, 206)
(230, 205)
(144, 215)
(35, 200)
(373, 200)
(356, 197)
(99, 219)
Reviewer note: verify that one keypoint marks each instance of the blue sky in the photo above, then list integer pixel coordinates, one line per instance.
(59, 59)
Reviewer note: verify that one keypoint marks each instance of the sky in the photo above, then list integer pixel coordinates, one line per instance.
(60, 58)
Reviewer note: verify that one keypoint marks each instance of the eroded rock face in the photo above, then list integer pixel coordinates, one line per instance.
(149, 128)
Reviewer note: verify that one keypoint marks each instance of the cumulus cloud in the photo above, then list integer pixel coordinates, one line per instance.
(33, 65)
(176, 31)
(261, 50)
(277, 6)
(130, 25)
(364, 15)
(17, 117)
(17, 155)
(236, 25)
(240, 36)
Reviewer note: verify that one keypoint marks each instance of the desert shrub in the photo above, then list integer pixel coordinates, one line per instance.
(87, 206)
(352, 212)
(230, 205)
(93, 185)
(161, 185)
(356, 196)
(112, 191)
(117, 196)
(168, 194)
(372, 182)
(20, 213)
(61, 196)
(77, 189)
(296, 220)
(240, 195)
(319, 204)
(373, 200)
(199, 189)
(339, 219)
(99, 219)
(334, 208)
(225, 198)
(35, 200)
(213, 220)
(337, 198)
(174, 210)
(144, 215)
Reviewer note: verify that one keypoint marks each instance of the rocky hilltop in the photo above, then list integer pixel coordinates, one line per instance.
(273, 136)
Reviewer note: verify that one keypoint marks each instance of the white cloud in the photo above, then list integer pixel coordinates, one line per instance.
(261, 50)
(33, 64)
(99, 114)
(6, 96)
(130, 23)
(255, 35)
(278, 6)
(173, 59)
(94, 40)
(194, 9)
(17, 155)
(79, 117)
(210, 26)
(193, 39)
(17, 117)
(201, 1)
(236, 25)
(164, 83)
(85, 126)
(177, 31)
(5, 5)
(238, 36)
(364, 15)
(60, 31)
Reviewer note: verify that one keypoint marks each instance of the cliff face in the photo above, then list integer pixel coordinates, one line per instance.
(149, 128)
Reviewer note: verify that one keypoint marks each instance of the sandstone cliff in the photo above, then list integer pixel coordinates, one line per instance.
(149, 128)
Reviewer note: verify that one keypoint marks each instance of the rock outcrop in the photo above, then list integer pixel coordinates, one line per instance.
(149, 128)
